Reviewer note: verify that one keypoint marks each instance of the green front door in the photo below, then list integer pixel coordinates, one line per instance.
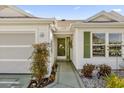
(61, 46)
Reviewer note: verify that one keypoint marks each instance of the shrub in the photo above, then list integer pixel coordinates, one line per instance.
(40, 61)
(105, 70)
(87, 70)
(114, 81)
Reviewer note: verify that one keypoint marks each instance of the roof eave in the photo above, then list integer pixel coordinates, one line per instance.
(93, 25)
(25, 20)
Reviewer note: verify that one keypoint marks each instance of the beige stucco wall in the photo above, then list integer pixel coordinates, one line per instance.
(78, 48)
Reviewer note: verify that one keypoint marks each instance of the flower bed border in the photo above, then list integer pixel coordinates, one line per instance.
(46, 81)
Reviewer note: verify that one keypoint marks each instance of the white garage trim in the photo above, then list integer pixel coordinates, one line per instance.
(12, 46)
(16, 31)
(15, 50)
(15, 60)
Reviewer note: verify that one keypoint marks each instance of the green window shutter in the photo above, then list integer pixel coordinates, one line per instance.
(86, 44)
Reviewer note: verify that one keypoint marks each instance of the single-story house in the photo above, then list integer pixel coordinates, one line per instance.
(96, 40)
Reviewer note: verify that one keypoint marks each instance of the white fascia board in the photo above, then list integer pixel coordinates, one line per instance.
(63, 32)
(20, 11)
(114, 24)
(26, 20)
(103, 13)
(94, 16)
(117, 15)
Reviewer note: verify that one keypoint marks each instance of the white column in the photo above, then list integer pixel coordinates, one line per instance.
(76, 48)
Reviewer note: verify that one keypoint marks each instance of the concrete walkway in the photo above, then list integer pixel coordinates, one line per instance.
(67, 77)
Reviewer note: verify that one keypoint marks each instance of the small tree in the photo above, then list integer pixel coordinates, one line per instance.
(39, 61)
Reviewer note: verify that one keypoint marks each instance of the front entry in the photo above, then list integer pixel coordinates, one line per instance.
(63, 48)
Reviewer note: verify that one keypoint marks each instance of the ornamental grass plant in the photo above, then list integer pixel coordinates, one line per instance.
(113, 81)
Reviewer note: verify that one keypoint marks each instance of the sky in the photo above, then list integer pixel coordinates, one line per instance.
(74, 12)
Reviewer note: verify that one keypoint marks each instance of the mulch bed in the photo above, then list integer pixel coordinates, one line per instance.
(45, 81)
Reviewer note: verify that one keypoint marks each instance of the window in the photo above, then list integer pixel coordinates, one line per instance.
(98, 44)
(115, 41)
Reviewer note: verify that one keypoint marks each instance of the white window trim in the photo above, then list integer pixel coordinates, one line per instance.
(106, 44)
(116, 44)
(97, 44)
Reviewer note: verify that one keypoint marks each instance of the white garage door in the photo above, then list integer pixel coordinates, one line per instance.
(15, 49)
